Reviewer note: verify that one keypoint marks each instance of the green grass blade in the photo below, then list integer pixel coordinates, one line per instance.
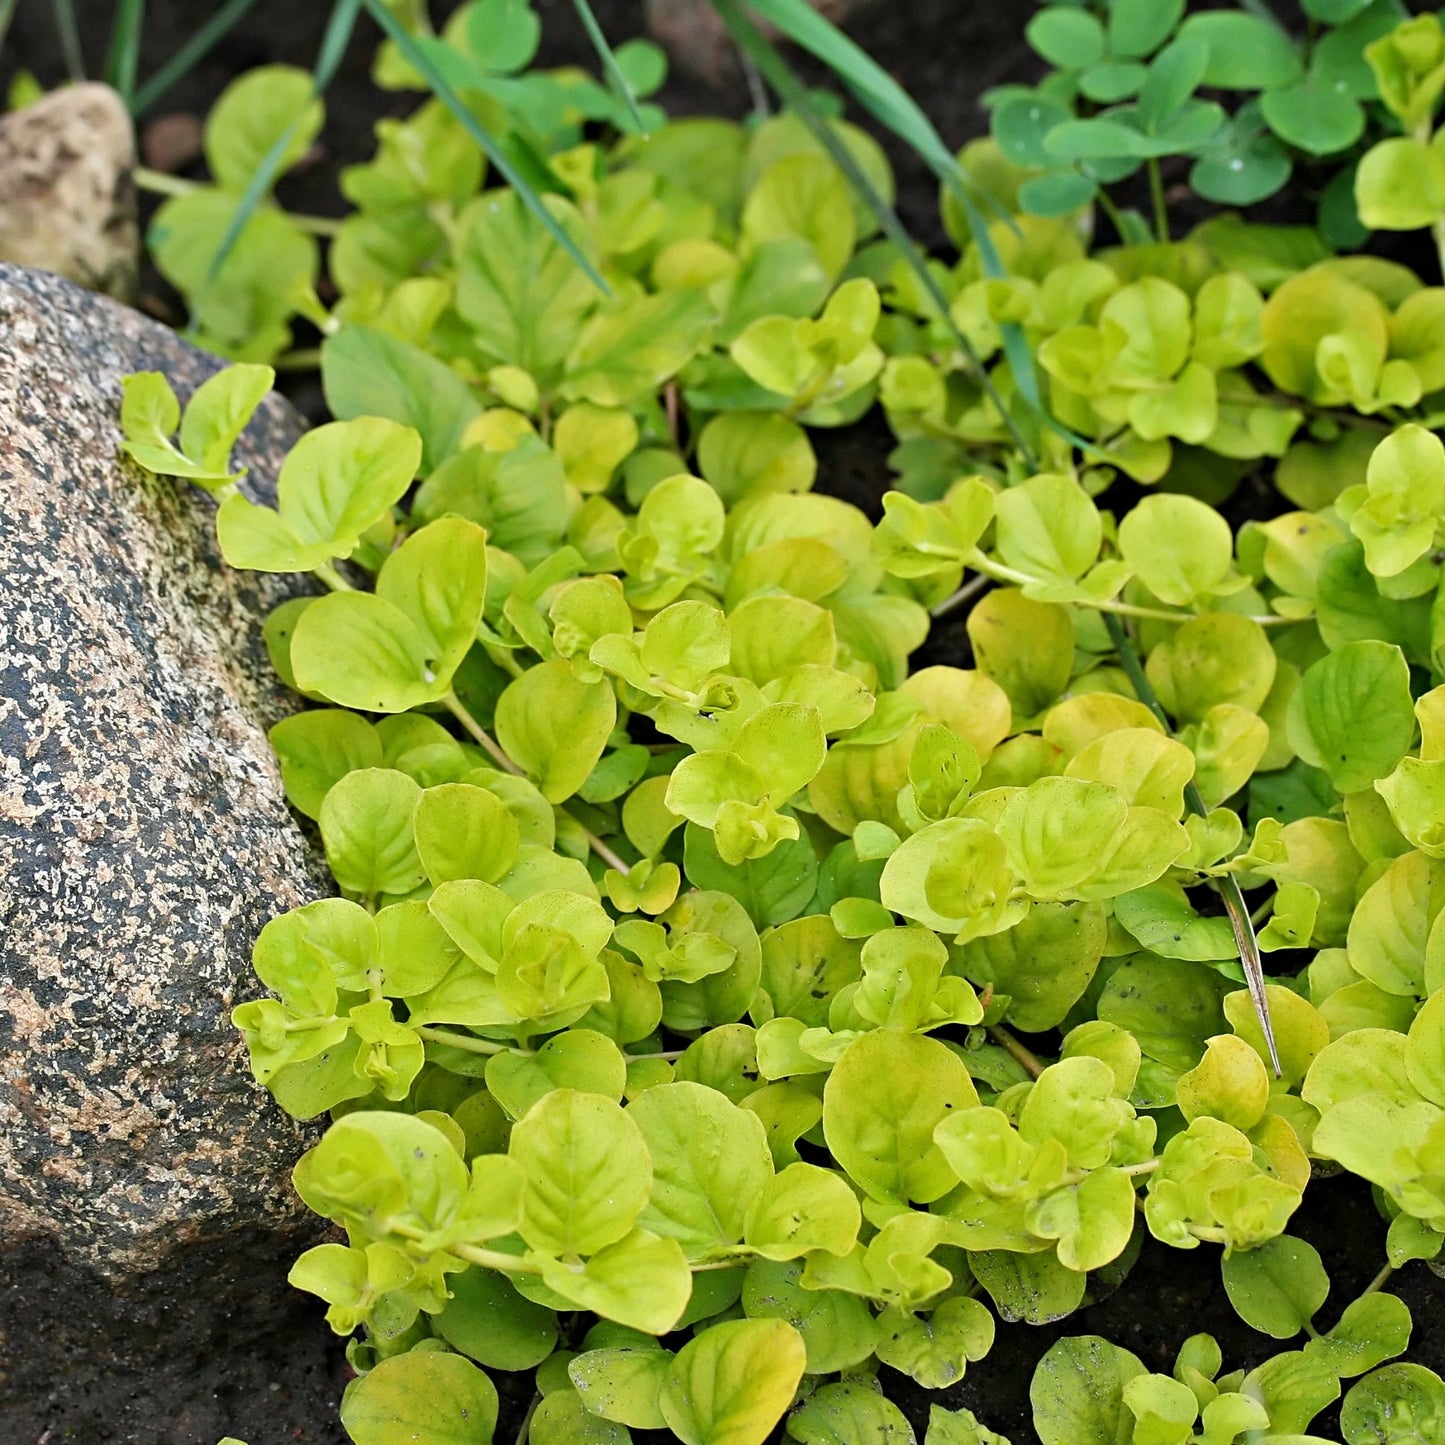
(416, 56)
(879, 94)
(124, 54)
(7, 14)
(333, 47)
(200, 45)
(893, 107)
(609, 61)
(1228, 886)
(64, 12)
(777, 73)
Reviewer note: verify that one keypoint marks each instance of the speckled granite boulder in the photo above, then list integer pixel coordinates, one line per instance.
(143, 836)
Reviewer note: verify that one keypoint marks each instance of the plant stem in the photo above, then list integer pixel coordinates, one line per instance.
(493, 749)
(966, 593)
(469, 1043)
(480, 735)
(161, 184)
(1156, 192)
(307, 359)
(1017, 1050)
(64, 12)
(328, 574)
(1379, 1281)
(1228, 886)
(1116, 218)
(526, 1426)
(989, 570)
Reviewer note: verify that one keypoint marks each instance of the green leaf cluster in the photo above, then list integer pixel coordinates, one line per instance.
(650, 833)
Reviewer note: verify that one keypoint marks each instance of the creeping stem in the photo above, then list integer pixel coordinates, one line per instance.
(161, 184)
(494, 750)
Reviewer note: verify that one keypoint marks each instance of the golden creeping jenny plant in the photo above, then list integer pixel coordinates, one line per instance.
(669, 1015)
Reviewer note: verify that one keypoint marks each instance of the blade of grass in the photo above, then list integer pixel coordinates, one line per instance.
(64, 12)
(7, 14)
(790, 89)
(124, 54)
(879, 94)
(609, 61)
(417, 57)
(333, 46)
(1228, 886)
(200, 45)
(893, 107)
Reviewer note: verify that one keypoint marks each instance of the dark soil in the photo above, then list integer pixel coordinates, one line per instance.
(160, 1366)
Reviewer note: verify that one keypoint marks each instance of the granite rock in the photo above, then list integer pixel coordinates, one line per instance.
(144, 839)
(67, 200)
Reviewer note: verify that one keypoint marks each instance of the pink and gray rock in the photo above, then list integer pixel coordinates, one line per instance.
(144, 839)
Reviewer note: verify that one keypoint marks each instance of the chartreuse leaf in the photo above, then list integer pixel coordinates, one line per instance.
(1043, 963)
(1352, 715)
(623, 1383)
(367, 372)
(1395, 514)
(631, 348)
(1409, 66)
(517, 288)
(882, 1101)
(1026, 647)
(464, 832)
(1078, 1393)
(422, 1395)
(215, 416)
(252, 115)
(799, 1209)
(400, 646)
(936, 1349)
(562, 1418)
(1372, 1329)
(578, 1059)
(487, 1320)
(744, 454)
(1278, 1287)
(1179, 548)
(366, 825)
(837, 1327)
(1394, 1405)
(846, 1411)
(1032, 1287)
(555, 726)
(587, 1172)
(958, 1427)
(731, 1384)
(334, 484)
(641, 1282)
(319, 747)
(1068, 838)
(1400, 185)
(709, 1160)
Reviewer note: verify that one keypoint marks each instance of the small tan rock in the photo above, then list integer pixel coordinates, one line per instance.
(67, 201)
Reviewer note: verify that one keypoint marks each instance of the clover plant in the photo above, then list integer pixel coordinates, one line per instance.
(1125, 89)
(715, 1006)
